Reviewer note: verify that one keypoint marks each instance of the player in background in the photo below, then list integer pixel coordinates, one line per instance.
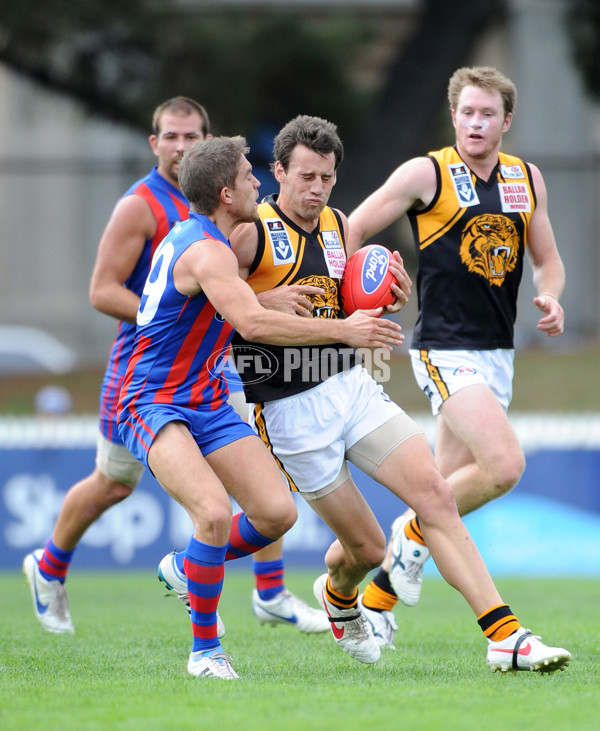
(173, 411)
(141, 219)
(475, 211)
(321, 409)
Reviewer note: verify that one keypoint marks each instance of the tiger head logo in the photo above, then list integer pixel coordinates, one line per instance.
(326, 304)
(490, 247)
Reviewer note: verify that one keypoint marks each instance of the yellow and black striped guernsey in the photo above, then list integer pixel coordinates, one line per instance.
(470, 243)
(286, 254)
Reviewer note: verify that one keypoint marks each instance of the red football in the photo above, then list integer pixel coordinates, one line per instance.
(367, 280)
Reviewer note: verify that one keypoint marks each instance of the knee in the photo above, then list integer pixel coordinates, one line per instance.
(212, 518)
(373, 558)
(507, 472)
(435, 498)
(113, 492)
(371, 553)
(284, 519)
(277, 519)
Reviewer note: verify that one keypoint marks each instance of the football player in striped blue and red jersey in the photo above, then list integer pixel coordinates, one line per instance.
(143, 216)
(140, 220)
(173, 411)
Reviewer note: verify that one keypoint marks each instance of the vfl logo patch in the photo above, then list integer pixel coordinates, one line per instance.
(490, 247)
(281, 247)
(463, 185)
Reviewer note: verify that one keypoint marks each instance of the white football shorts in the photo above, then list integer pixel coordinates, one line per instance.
(440, 373)
(311, 434)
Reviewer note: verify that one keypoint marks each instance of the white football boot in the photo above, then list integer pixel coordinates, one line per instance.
(50, 602)
(211, 664)
(408, 559)
(349, 627)
(287, 608)
(524, 651)
(383, 624)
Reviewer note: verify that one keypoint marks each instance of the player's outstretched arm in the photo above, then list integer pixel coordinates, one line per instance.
(410, 183)
(211, 267)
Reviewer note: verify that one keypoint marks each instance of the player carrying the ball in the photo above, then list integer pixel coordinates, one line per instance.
(174, 416)
(316, 408)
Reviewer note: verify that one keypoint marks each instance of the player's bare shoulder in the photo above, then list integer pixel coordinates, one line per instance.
(416, 181)
(244, 242)
(133, 213)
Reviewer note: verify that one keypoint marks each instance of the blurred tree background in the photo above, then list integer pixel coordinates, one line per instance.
(255, 68)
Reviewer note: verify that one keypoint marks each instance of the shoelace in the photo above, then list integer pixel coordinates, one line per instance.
(61, 602)
(221, 656)
(412, 570)
(358, 629)
(224, 661)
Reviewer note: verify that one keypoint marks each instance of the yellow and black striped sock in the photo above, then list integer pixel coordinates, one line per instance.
(379, 594)
(497, 623)
(339, 600)
(413, 531)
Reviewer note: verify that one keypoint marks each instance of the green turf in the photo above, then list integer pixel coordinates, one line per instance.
(125, 667)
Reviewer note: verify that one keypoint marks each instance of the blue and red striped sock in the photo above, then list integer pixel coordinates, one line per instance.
(244, 539)
(204, 566)
(55, 562)
(269, 578)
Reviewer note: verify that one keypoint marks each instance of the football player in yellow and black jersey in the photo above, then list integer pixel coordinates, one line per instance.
(474, 211)
(317, 408)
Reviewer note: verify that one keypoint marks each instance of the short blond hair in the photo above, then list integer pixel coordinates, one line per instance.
(485, 77)
(207, 167)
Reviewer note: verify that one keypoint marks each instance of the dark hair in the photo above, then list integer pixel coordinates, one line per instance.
(207, 167)
(317, 134)
(180, 105)
(485, 77)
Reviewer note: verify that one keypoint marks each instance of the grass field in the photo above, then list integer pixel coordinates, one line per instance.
(126, 666)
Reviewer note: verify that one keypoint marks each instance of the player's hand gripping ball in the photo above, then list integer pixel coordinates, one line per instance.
(367, 280)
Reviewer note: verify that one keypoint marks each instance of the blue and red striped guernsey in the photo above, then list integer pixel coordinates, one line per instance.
(181, 342)
(169, 207)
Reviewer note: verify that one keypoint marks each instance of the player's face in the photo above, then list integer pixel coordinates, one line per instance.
(306, 185)
(245, 193)
(480, 122)
(177, 133)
